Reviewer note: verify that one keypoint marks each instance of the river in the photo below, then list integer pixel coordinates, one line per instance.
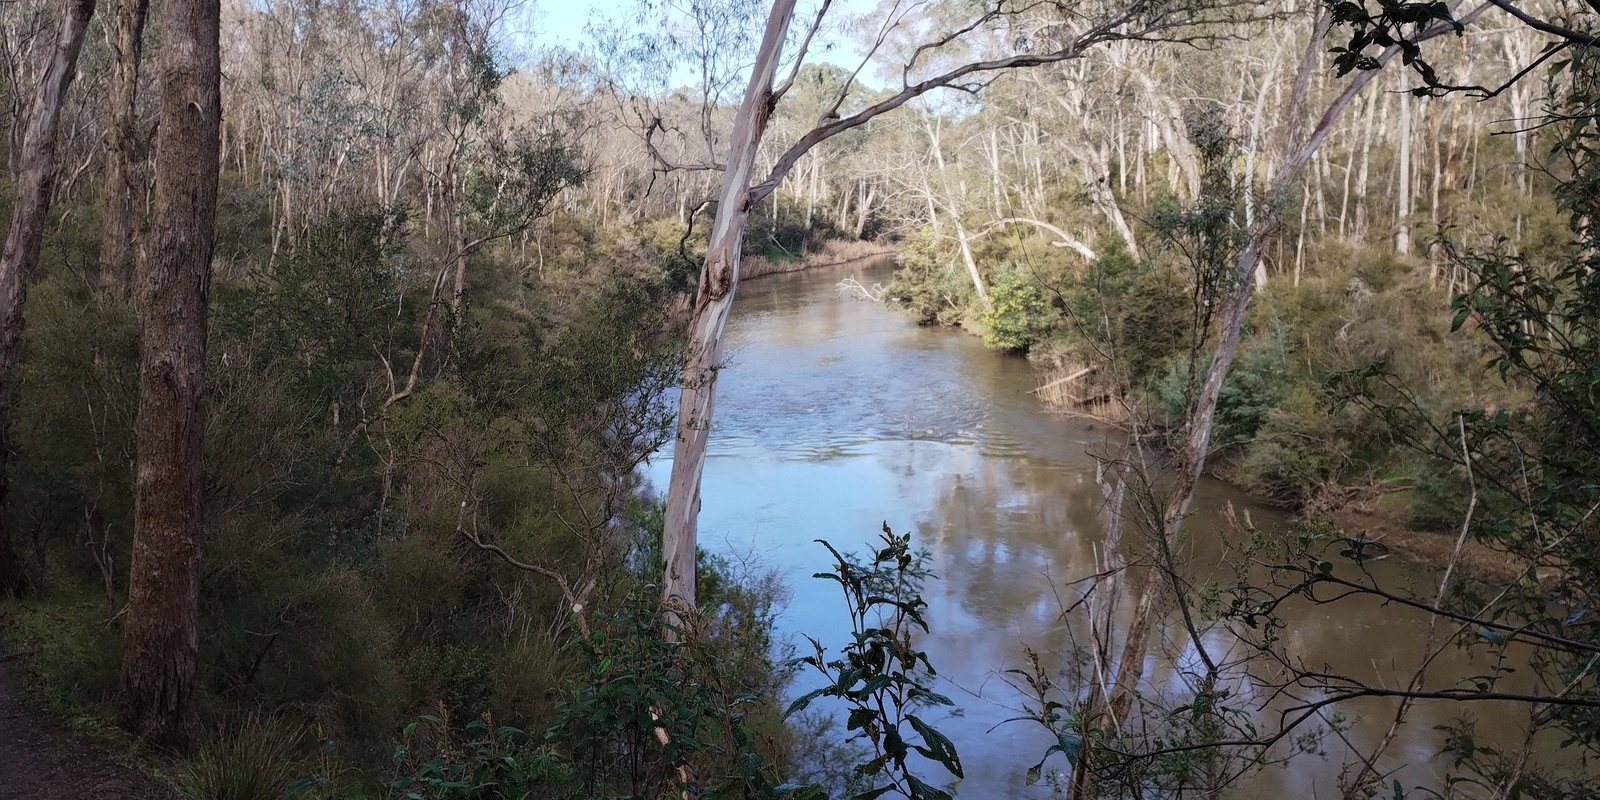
(836, 415)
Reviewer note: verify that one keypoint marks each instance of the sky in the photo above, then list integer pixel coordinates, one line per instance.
(561, 23)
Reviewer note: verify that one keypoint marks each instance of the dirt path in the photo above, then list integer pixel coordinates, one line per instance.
(41, 760)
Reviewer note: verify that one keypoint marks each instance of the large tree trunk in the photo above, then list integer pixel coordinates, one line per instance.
(718, 279)
(20, 258)
(161, 633)
(117, 229)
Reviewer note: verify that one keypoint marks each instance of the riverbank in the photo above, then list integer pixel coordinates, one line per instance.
(1365, 513)
(831, 253)
(1072, 387)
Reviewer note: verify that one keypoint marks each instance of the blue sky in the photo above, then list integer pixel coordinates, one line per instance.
(561, 23)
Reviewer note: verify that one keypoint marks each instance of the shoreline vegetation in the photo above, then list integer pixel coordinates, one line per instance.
(830, 253)
(1078, 389)
(1358, 508)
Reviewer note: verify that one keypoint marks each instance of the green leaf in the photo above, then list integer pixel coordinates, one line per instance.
(873, 794)
(1071, 746)
(922, 791)
(802, 702)
(940, 748)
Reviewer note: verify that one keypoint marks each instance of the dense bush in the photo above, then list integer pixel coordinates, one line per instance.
(1021, 315)
(340, 587)
(926, 284)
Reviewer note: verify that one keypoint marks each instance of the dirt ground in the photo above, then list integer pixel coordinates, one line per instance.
(41, 760)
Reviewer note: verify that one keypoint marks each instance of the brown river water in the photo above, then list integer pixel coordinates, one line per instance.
(835, 415)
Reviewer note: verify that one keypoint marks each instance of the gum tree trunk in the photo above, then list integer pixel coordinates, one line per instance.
(117, 229)
(161, 632)
(20, 258)
(712, 302)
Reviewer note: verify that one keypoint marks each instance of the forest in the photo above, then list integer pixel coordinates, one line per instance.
(360, 367)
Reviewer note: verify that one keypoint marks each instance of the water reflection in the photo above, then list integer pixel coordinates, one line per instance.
(834, 415)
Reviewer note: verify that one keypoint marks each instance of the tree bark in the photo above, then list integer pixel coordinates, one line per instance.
(117, 229)
(1402, 236)
(161, 632)
(20, 259)
(713, 301)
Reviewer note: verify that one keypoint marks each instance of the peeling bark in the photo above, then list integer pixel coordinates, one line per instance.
(713, 302)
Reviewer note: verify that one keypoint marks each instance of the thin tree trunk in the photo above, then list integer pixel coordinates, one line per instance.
(117, 229)
(1366, 166)
(1402, 236)
(1192, 456)
(718, 279)
(1096, 168)
(953, 205)
(994, 172)
(966, 257)
(864, 211)
(19, 260)
(811, 195)
(161, 630)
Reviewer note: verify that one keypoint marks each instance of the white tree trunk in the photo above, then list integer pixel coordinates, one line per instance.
(713, 302)
(35, 174)
(1402, 236)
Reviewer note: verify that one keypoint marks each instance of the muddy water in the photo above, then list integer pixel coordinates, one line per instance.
(836, 415)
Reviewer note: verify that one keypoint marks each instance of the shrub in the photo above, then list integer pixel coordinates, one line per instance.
(924, 284)
(1021, 315)
(1260, 379)
(1296, 450)
(256, 761)
(480, 761)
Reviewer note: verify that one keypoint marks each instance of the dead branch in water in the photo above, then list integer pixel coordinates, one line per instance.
(850, 287)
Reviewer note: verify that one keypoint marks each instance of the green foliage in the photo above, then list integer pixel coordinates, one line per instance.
(1150, 325)
(1124, 310)
(882, 679)
(1063, 722)
(645, 716)
(1260, 379)
(925, 284)
(1388, 28)
(1021, 315)
(339, 590)
(785, 234)
(480, 761)
(1523, 477)
(1297, 449)
(73, 657)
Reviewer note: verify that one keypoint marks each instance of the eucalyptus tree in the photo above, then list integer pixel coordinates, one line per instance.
(117, 250)
(161, 629)
(960, 51)
(35, 173)
(1233, 258)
